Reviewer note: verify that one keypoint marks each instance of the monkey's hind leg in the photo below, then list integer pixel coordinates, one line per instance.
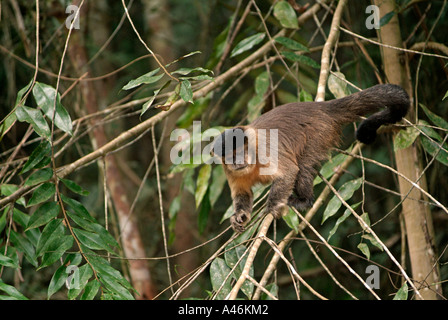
(278, 196)
(302, 197)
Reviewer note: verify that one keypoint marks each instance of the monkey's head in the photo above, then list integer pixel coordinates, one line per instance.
(237, 149)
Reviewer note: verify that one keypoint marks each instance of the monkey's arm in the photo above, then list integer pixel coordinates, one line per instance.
(242, 204)
(281, 189)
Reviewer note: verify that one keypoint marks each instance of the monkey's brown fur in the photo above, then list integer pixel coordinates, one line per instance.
(306, 132)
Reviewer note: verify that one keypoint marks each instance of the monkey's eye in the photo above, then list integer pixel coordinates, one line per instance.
(227, 142)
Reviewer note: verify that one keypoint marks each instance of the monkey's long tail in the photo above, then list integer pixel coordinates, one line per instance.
(391, 98)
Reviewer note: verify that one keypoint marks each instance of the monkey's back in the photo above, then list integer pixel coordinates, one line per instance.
(305, 130)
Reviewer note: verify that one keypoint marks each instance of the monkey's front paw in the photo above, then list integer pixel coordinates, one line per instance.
(239, 220)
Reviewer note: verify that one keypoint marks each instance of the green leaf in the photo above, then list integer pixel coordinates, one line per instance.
(405, 138)
(294, 57)
(305, 96)
(218, 274)
(84, 273)
(402, 294)
(57, 281)
(52, 233)
(22, 244)
(341, 219)
(55, 250)
(8, 189)
(200, 77)
(3, 219)
(232, 255)
(73, 259)
(22, 92)
(373, 241)
(147, 78)
(44, 214)
(272, 289)
(346, 192)
(37, 156)
(20, 217)
(256, 103)
(431, 146)
(44, 96)
(262, 83)
(292, 220)
(149, 103)
(42, 193)
(204, 213)
(437, 120)
(102, 266)
(111, 278)
(247, 44)
(73, 186)
(91, 289)
(7, 124)
(291, 44)
(60, 276)
(94, 227)
(9, 121)
(364, 249)
(115, 287)
(174, 207)
(365, 217)
(183, 57)
(39, 176)
(185, 71)
(337, 85)
(386, 18)
(92, 240)
(79, 208)
(186, 93)
(11, 291)
(36, 119)
(8, 262)
(202, 183)
(218, 182)
(330, 167)
(433, 149)
(446, 95)
(428, 130)
(286, 15)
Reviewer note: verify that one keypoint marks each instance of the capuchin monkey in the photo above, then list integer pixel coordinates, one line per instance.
(286, 145)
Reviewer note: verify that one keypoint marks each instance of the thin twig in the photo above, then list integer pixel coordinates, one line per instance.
(251, 256)
(292, 269)
(414, 184)
(392, 47)
(162, 216)
(146, 46)
(366, 227)
(290, 236)
(335, 253)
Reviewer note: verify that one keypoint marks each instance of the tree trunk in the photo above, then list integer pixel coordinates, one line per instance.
(130, 235)
(418, 220)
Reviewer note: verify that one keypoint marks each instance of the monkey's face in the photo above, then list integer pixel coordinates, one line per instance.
(235, 149)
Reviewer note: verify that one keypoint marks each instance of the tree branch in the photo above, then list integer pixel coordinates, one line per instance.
(147, 124)
(325, 60)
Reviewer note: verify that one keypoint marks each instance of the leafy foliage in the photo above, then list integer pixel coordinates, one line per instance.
(53, 236)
